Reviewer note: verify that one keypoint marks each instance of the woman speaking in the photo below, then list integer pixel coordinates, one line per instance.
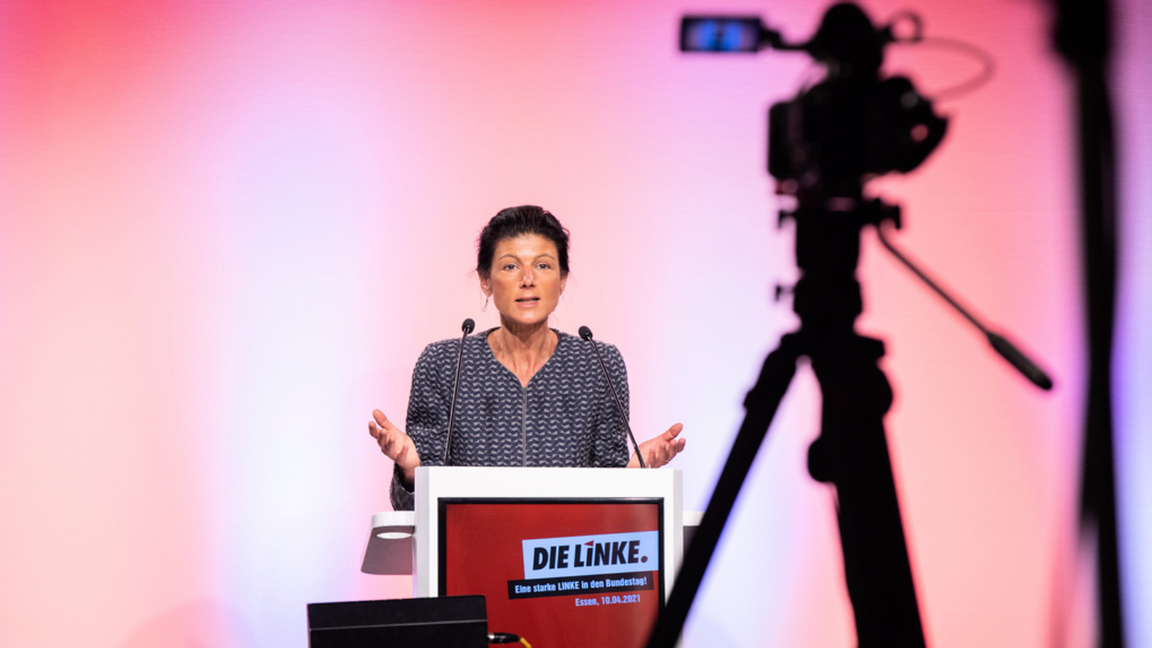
(529, 395)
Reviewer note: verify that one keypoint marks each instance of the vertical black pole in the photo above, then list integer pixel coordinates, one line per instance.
(1083, 38)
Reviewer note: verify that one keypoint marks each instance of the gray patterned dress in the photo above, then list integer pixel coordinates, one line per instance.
(564, 417)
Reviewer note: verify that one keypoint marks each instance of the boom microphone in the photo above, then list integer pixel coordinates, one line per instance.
(467, 327)
(586, 333)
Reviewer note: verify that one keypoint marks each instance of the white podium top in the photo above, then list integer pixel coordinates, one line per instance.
(390, 548)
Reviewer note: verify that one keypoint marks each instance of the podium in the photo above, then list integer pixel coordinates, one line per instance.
(563, 556)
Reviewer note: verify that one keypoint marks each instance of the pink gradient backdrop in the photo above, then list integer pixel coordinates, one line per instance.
(227, 230)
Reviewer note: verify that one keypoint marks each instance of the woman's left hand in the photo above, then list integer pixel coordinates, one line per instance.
(660, 450)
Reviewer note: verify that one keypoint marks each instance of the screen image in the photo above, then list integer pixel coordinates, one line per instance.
(560, 573)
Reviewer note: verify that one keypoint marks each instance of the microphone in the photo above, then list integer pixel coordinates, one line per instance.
(467, 327)
(586, 333)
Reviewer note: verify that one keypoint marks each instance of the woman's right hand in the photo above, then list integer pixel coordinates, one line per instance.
(397, 445)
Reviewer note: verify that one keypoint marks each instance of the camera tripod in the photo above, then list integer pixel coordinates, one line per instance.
(851, 452)
(823, 145)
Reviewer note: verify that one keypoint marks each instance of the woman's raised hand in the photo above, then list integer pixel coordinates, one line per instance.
(660, 450)
(395, 444)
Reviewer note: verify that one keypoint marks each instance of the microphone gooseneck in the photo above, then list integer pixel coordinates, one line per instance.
(467, 327)
(586, 333)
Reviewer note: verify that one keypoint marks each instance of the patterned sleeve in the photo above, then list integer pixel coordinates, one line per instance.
(610, 448)
(427, 418)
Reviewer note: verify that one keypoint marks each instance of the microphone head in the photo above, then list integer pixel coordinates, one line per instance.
(468, 326)
(586, 333)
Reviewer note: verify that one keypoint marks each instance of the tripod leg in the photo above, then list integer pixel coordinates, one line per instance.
(761, 404)
(852, 453)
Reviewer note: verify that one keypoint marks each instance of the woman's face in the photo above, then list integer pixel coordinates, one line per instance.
(524, 282)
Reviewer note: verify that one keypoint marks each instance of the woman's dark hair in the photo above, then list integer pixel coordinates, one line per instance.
(518, 221)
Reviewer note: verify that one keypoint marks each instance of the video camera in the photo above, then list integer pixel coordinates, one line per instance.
(849, 127)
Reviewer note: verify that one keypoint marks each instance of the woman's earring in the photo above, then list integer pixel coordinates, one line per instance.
(484, 308)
